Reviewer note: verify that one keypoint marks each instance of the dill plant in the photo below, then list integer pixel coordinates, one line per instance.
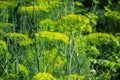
(54, 39)
(43, 76)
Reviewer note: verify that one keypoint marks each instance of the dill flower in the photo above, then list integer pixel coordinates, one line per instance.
(73, 22)
(52, 36)
(43, 76)
(22, 39)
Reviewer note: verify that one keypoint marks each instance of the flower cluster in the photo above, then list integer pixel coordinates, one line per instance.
(73, 23)
(30, 9)
(6, 4)
(46, 24)
(42, 5)
(101, 38)
(113, 15)
(22, 70)
(92, 18)
(52, 36)
(43, 76)
(22, 39)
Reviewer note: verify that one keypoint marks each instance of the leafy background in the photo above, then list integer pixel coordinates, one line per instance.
(59, 40)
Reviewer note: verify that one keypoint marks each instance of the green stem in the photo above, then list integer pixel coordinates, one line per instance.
(94, 8)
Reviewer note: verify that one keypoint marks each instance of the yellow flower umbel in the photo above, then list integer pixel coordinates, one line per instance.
(22, 39)
(101, 38)
(35, 8)
(93, 18)
(113, 15)
(7, 4)
(22, 70)
(43, 76)
(52, 36)
(74, 23)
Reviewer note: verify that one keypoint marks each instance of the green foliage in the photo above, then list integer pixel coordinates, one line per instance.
(109, 68)
(9, 76)
(93, 51)
(4, 15)
(43, 76)
(106, 46)
(55, 59)
(113, 15)
(118, 36)
(112, 65)
(2, 24)
(6, 27)
(62, 38)
(92, 18)
(100, 39)
(23, 72)
(78, 3)
(1, 78)
(75, 77)
(46, 24)
(79, 7)
(6, 4)
(114, 18)
(107, 42)
(3, 47)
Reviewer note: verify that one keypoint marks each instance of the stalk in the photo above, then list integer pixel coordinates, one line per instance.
(36, 44)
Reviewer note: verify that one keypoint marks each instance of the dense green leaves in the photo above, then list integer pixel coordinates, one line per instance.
(3, 47)
(59, 40)
(100, 39)
(7, 4)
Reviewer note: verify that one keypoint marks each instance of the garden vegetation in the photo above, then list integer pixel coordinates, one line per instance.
(59, 39)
